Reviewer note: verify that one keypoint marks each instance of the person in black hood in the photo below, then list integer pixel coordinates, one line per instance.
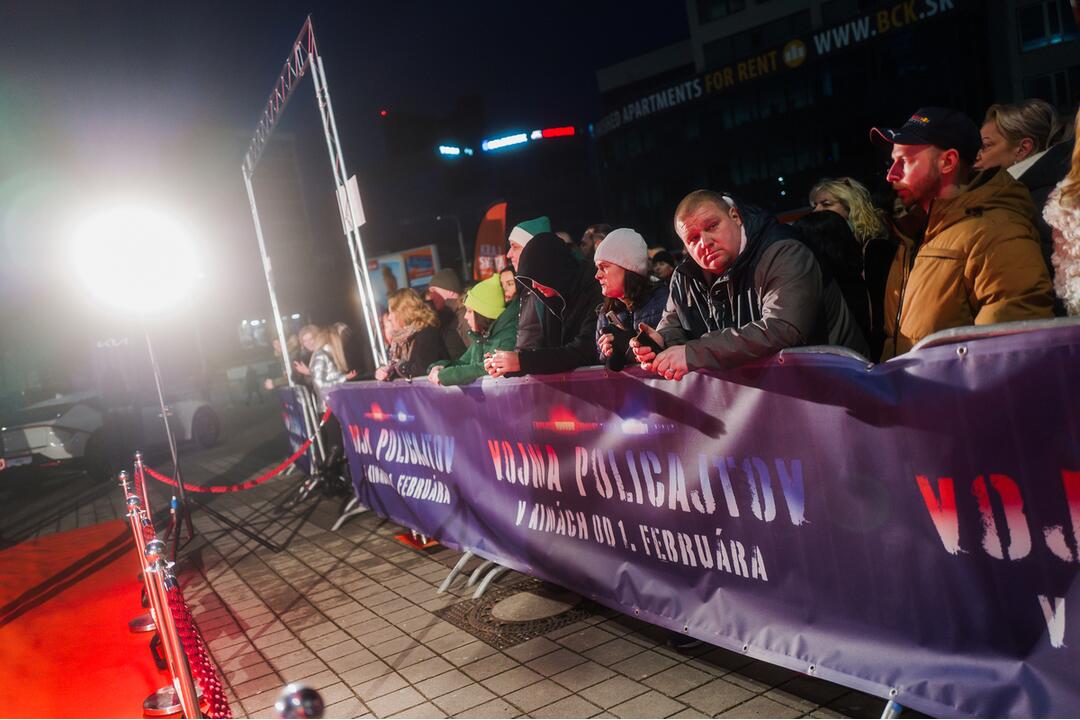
(750, 289)
(566, 296)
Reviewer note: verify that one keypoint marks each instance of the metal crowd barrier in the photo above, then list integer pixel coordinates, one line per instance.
(319, 455)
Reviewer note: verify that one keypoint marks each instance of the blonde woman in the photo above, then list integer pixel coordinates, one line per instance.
(1029, 140)
(327, 367)
(1015, 136)
(850, 200)
(415, 341)
(1062, 212)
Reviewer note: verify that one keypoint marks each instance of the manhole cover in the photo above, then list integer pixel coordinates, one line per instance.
(512, 614)
(526, 606)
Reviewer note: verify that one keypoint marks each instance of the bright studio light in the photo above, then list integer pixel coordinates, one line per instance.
(134, 258)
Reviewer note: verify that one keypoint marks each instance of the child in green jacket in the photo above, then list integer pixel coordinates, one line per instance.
(492, 325)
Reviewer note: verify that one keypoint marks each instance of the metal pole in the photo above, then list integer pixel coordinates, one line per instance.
(268, 271)
(144, 622)
(466, 261)
(185, 512)
(140, 480)
(354, 235)
(333, 146)
(174, 649)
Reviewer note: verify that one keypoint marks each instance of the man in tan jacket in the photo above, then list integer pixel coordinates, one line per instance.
(969, 251)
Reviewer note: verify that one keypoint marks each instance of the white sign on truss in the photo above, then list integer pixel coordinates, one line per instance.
(352, 210)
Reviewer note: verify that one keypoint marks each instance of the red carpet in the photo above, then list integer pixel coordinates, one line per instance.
(65, 649)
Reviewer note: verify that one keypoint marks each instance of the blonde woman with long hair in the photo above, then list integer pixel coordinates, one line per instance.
(850, 199)
(327, 367)
(1062, 212)
(415, 341)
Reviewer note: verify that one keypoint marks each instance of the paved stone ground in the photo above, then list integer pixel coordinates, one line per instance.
(351, 613)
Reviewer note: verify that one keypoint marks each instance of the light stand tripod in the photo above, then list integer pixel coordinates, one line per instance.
(183, 511)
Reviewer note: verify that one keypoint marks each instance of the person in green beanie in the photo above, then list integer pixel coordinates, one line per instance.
(492, 325)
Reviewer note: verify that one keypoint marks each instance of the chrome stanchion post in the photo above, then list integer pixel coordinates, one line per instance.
(184, 686)
(140, 478)
(144, 622)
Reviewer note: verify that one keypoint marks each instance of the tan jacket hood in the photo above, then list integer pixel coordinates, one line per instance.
(989, 190)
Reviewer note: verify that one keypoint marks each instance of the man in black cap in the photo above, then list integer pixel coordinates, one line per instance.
(968, 252)
(444, 293)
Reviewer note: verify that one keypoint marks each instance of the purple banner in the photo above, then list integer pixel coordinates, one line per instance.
(911, 529)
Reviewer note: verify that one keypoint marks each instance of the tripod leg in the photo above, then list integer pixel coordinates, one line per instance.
(238, 527)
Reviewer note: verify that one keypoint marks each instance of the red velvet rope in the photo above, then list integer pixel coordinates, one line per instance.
(250, 483)
(201, 666)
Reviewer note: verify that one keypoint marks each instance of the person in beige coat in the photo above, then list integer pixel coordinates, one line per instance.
(969, 251)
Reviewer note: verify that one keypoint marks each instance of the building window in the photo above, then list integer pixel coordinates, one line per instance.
(769, 36)
(709, 10)
(1045, 23)
(1061, 89)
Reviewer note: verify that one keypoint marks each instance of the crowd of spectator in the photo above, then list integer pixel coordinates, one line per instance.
(983, 227)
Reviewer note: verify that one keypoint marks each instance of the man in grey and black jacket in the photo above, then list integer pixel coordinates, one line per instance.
(750, 289)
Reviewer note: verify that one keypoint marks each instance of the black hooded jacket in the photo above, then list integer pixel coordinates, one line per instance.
(772, 297)
(566, 321)
(1040, 179)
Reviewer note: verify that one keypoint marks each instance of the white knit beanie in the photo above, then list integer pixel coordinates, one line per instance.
(626, 248)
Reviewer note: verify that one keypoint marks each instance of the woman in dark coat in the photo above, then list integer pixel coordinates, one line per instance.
(415, 342)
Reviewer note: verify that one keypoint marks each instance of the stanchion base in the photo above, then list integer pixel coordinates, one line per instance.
(414, 543)
(143, 623)
(163, 701)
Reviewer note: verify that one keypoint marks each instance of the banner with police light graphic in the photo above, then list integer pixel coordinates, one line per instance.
(911, 530)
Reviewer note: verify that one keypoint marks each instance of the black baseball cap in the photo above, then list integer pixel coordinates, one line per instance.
(942, 127)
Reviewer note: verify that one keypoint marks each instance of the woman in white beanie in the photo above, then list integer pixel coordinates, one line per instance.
(631, 297)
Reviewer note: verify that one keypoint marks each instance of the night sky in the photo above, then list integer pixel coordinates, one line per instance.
(100, 100)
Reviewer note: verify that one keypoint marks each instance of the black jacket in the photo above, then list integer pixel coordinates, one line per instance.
(566, 321)
(1040, 179)
(450, 324)
(772, 297)
(416, 353)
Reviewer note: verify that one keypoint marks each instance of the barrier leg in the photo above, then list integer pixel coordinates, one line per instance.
(488, 579)
(478, 572)
(462, 561)
(893, 709)
(353, 509)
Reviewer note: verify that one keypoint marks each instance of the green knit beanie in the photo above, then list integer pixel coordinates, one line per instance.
(486, 298)
(523, 232)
